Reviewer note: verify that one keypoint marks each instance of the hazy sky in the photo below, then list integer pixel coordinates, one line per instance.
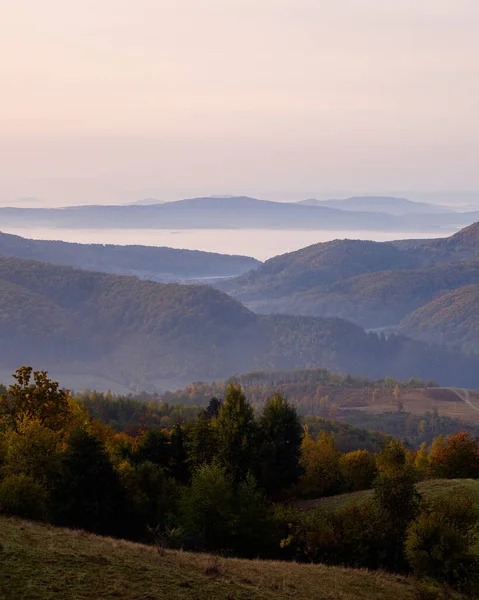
(116, 100)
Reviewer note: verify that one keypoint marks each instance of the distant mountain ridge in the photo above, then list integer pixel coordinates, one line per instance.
(384, 204)
(230, 213)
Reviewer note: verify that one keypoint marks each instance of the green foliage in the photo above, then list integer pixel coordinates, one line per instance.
(280, 434)
(438, 543)
(237, 430)
(22, 496)
(88, 494)
(206, 509)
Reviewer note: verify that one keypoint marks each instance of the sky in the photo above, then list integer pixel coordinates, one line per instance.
(114, 101)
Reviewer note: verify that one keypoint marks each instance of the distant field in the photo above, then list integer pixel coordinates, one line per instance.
(418, 401)
(40, 562)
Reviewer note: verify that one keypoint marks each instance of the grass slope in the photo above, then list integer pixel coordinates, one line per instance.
(434, 488)
(40, 562)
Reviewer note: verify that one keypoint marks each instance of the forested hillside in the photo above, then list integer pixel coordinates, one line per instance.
(370, 283)
(452, 320)
(141, 333)
(146, 262)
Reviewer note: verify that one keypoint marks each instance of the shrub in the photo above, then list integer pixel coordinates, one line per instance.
(22, 496)
(438, 543)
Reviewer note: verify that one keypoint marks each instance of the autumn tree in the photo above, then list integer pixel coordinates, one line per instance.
(358, 469)
(457, 457)
(320, 462)
(39, 399)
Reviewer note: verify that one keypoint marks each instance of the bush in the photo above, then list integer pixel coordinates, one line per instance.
(438, 543)
(22, 496)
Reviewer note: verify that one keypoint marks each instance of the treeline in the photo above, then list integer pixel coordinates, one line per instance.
(227, 480)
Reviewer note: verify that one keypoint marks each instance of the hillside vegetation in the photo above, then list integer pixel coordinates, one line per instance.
(370, 283)
(144, 261)
(451, 319)
(140, 332)
(40, 562)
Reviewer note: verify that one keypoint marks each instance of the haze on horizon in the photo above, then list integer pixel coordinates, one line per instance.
(115, 101)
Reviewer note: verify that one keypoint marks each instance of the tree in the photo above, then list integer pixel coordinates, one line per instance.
(236, 432)
(358, 469)
(398, 501)
(40, 400)
(458, 457)
(88, 494)
(206, 509)
(202, 440)
(33, 450)
(280, 436)
(320, 461)
(155, 447)
(178, 466)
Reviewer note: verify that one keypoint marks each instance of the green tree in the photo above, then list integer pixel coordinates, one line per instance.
(280, 436)
(206, 509)
(236, 434)
(398, 501)
(202, 440)
(88, 494)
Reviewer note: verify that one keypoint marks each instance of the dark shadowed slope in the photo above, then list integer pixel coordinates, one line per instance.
(143, 261)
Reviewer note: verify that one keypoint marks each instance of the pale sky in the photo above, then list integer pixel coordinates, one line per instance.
(117, 100)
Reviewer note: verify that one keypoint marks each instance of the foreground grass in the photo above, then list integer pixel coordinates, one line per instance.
(40, 562)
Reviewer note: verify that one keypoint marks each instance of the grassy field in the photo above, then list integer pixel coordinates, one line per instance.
(40, 562)
(434, 488)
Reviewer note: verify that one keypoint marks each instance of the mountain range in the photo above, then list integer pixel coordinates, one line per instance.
(383, 204)
(242, 213)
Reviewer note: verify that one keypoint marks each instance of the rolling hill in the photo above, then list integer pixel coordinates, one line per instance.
(41, 562)
(146, 262)
(141, 333)
(452, 320)
(373, 284)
